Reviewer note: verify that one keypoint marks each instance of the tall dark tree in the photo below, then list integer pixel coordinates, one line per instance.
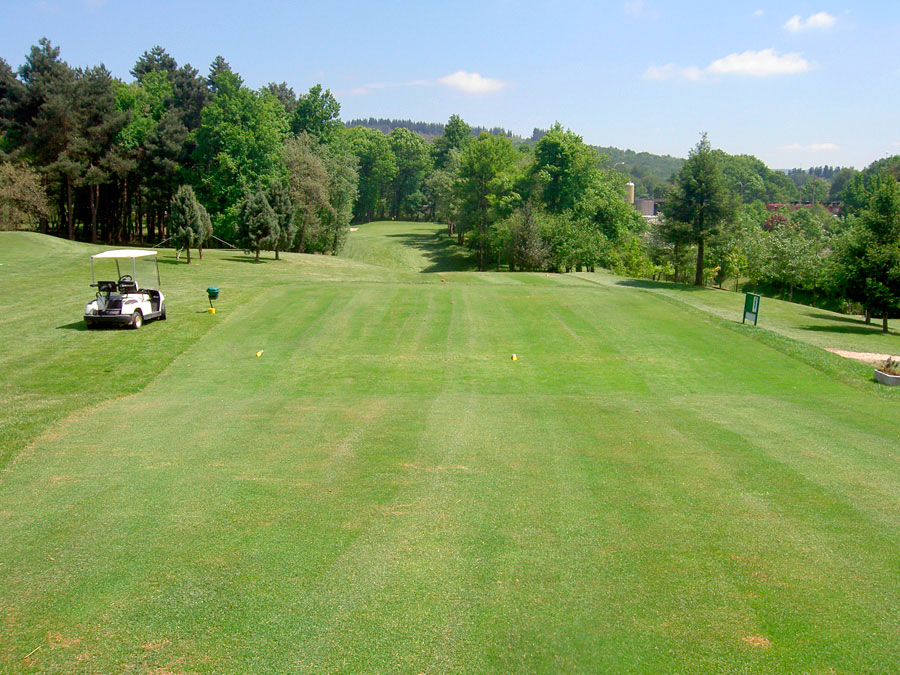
(283, 93)
(51, 121)
(101, 122)
(190, 96)
(12, 96)
(279, 198)
(157, 60)
(217, 68)
(700, 199)
(483, 187)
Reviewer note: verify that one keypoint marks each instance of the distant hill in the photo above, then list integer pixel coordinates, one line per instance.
(648, 171)
(428, 130)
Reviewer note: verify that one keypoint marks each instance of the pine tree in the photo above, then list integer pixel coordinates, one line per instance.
(279, 199)
(257, 227)
(700, 199)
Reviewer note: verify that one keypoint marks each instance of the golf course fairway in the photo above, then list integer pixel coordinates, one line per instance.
(650, 487)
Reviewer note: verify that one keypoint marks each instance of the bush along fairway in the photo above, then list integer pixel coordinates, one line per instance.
(346, 470)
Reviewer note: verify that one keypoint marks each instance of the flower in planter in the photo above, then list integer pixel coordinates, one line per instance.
(891, 367)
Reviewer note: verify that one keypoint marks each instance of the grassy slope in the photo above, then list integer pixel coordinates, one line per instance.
(52, 366)
(385, 490)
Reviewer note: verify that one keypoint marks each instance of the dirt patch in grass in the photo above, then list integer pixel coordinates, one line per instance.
(153, 646)
(865, 357)
(436, 467)
(61, 641)
(757, 641)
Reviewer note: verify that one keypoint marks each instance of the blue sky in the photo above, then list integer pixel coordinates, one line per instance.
(795, 83)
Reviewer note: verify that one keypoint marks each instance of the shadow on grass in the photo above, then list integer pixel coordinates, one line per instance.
(860, 329)
(646, 283)
(845, 319)
(249, 259)
(75, 325)
(441, 252)
(82, 326)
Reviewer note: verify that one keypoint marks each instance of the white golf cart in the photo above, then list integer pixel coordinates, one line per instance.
(123, 302)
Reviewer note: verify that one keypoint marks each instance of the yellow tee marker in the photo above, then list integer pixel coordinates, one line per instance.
(260, 353)
(515, 358)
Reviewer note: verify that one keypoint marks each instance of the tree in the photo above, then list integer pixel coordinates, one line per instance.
(217, 69)
(308, 188)
(457, 134)
(529, 250)
(185, 220)
(238, 145)
(101, 122)
(484, 187)
(340, 164)
(50, 120)
(279, 199)
(700, 199)
(564, 168)
(439, 190)
(317, 113)
(257, 224)
(413, 163)
(157, 60)
(377, 168)
(867, 258)
(22, 197)
(284, 94)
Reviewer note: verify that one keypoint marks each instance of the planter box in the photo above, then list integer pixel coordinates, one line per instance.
(884, 378)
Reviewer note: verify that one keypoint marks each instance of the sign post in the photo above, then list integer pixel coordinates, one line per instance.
(751, 307)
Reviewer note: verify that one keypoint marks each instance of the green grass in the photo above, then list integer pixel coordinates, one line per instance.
(649, 488)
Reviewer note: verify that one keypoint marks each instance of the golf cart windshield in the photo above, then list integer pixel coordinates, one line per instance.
(125, 255)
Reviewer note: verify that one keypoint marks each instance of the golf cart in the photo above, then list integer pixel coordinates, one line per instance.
(123, 302)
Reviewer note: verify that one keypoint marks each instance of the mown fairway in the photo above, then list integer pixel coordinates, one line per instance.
(649, 488)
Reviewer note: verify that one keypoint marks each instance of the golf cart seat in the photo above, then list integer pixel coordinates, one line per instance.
(107, 286)
(127, 285)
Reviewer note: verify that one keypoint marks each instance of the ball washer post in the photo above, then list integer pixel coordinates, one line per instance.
(213, 293)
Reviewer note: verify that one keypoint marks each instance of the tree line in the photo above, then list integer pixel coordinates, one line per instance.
(85, 155)
(850, 261)
(176, 156)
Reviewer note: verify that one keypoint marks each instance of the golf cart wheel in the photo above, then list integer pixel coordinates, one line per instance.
(162, 316)
(138, 320)
(88, 324)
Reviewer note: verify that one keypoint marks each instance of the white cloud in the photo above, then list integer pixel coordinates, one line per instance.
(819, 21)
(638, 8)
(759, 12)
(472, 83)
(760, 64)
(812, 147)
(764, 63)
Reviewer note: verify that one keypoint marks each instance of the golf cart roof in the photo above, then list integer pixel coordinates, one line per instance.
(124, 253)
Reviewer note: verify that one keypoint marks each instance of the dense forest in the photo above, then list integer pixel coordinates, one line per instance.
(198, 160)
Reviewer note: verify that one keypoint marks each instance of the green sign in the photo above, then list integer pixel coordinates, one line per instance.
(751, 307)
